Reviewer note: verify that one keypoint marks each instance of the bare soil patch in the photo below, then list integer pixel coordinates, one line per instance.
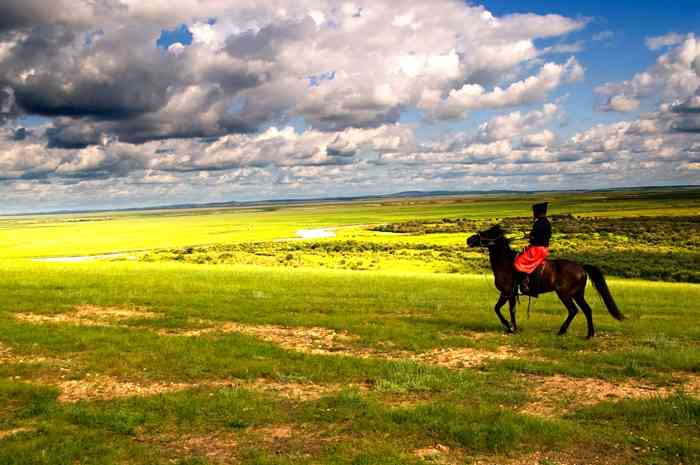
(11, 432)
(297, 391)
(578, 457)
(309, 340)
(9, 357)
(463, 357)
(273, 433)
(691, 385)
(224, 446)
(559, 394)
(325, 341)
(89, 315)
(217, 447)
(102, 387)
(438, 454)
(300, 441)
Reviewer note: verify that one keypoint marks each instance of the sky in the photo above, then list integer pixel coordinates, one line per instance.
(128, 103)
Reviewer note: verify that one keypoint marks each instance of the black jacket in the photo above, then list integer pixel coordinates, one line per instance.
(541, 232)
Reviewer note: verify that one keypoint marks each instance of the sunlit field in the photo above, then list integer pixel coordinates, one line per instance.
(222, 336)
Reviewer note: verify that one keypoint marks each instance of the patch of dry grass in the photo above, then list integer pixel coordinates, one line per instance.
(557, 395)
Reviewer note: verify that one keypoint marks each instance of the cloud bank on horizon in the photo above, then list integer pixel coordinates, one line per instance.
(125, 102)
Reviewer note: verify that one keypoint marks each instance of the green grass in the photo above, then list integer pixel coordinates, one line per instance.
(470, 410)
(377, 409)
(95, 233)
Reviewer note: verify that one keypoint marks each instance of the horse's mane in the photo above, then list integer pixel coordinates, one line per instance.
(497, 231)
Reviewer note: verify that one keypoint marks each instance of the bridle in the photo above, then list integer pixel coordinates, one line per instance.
(487, 241)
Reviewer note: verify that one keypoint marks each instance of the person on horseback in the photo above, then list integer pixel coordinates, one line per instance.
(534, 254)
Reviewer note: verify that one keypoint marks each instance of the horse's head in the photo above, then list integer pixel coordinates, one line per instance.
(486, 238)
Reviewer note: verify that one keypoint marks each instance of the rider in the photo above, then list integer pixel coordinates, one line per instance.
(533, 255)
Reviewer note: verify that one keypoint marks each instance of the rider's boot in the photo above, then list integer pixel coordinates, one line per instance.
(525, 284)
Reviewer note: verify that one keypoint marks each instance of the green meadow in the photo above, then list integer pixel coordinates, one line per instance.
(220, 336)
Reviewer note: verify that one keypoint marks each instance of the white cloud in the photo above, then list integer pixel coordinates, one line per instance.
(620, 103)
(539, 139)
(534, 88)
(603, 35)
(278, 98)
(672, 76)
(575, 47)
(515, 124)
(667, 40)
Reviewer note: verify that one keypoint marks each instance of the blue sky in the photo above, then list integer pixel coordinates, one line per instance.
(199, 100)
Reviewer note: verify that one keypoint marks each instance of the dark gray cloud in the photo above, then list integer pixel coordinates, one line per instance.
(269, 41)
(65, 134)
(17, 14)
(689, 123)
(21, 134)
(8, 105)
(53, 74)
(690, 105)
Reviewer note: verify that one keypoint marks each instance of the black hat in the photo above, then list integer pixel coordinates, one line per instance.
(540, 208)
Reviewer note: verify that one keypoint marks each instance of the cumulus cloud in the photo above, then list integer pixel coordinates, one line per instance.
(516, 123)
(534, 88)
(620, 103)
(313, 97)
(539, 139)
(98, 65)
(667, 40)
(674, 75)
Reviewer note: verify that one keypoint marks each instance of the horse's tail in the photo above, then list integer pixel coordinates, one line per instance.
(602, 287)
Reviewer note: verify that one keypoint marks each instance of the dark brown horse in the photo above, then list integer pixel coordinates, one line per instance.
(566, 278)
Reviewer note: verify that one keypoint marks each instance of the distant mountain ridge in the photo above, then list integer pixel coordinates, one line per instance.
(397, 195)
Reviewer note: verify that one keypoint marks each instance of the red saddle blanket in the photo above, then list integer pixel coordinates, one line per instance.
(529, 259)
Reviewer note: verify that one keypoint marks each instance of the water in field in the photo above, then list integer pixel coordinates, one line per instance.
(315, 233)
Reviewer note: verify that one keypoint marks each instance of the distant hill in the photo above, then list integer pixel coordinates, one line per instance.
(396, 195)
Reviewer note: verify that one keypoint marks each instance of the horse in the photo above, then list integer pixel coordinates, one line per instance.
(565, 277)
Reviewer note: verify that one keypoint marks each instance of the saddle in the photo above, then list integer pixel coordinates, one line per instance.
(535, 282)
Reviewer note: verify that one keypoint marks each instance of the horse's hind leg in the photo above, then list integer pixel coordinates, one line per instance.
(581, 301)
(501, 301)
(511, 308)
(571, 307)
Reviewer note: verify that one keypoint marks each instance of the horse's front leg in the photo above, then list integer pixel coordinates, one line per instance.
(511, 307)
(501, 301)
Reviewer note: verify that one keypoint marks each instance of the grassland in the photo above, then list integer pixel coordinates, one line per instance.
(254, 358)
